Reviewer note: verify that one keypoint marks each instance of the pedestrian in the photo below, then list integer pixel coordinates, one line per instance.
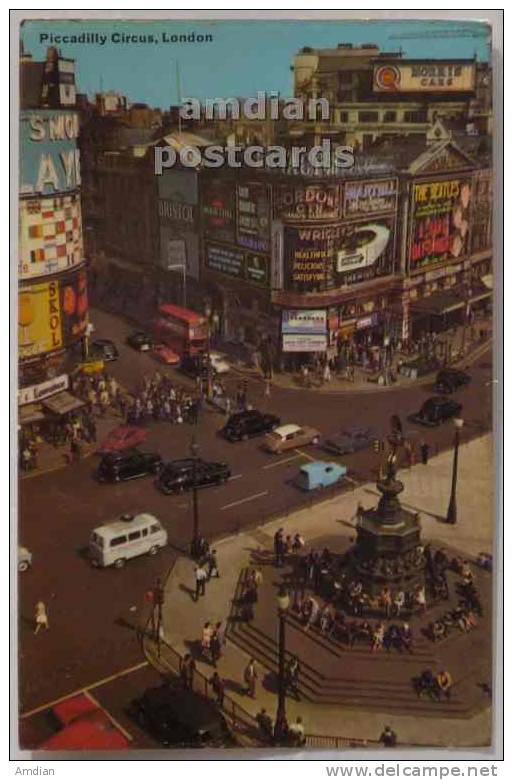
(297, 733)
(41, 617)
(215, 647)
(388, 738)
(279, 547)
(187, 668)
(212, 565)
(399, 600)
(444, 682)
(250, 678)
(201, 578)
(218, 688)
(265, 723)
(424, 452)
(267, 388)
(206, 637)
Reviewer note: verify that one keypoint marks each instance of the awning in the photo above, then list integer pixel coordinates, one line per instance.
(30, 413)
(438, 303)
(62, 403)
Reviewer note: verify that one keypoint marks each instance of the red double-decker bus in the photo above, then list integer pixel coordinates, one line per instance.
(184, 330)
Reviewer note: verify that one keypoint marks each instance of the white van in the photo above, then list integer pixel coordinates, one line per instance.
(114, 543)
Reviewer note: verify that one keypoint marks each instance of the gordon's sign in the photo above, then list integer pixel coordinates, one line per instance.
(425, 76)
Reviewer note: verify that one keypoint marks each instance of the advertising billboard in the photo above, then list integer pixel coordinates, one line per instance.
(254, 216)
(73, 295)
(304, 343)
(440, 221)
(253, 267)
(312, 321)
(369, 197)
(257, 269)
(218, 209)
(424, 76)
(304, 202)
(39, 319)
(49, 158)
(309, 257)
(365, 250)
(50, 237)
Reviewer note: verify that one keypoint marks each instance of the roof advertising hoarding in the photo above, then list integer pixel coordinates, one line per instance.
(424, 76)
(304, 343)
(49, 158)
(440, 221)
(312, 321)
(305, 202)
(50, 235)
(218, 209)
(369, 197)
(254, 216)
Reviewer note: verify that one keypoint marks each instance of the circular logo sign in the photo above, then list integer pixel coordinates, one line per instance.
(388, 77)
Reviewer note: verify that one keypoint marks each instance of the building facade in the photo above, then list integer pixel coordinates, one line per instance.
(52, 282)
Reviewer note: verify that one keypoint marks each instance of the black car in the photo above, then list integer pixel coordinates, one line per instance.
(179, 475)
(243, 425)
(140, 340)
(436, 410)
(181, 717)
(105, 349)
(449, 379)
(195, 365)
(120, 466)
(348, 441)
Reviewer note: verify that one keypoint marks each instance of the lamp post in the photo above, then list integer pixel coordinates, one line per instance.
(195, 515)
(452, 510)
(208, 315)
(280, 726)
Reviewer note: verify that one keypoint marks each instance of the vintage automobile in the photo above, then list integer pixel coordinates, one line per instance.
(449, 379)
(180, 475)
(348, 441)
(165, 354)
(287, 437)
(91, 366)
(436, 410)
(244, 425)
(319, 474)
(105, 349)
(219, 363)
(181, 718)
(128, 464)
(24, 559)
(124, 437)
(140, 341)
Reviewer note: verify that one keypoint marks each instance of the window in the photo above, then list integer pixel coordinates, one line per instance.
(117, 541)
(343, 116)
(132, 537)
(144, 532)
(154, 529)
(345, 77)
(415, 116)
(368, 116)
(390, 116)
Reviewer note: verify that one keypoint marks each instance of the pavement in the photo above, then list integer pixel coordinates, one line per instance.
(426, 491)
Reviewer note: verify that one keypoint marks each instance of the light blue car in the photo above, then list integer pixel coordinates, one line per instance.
(320, 474)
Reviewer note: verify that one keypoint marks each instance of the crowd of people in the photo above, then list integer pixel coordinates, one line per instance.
(160, 399)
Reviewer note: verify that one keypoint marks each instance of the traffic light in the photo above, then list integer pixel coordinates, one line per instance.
(378, 445)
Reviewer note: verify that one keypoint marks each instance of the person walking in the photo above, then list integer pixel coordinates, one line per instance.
(388, 737)
(267, 389)
(218, 688)
(206, 638)
(201, 579)
(250, 678)
(424, 452)
(41, 617)
(187, 668)
(215, 647)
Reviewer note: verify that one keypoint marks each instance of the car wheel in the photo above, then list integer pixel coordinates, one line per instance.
(153, 550)
(23, 566)
(315, 440)
(119, 563)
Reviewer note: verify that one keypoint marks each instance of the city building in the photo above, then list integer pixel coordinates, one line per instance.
(52, 282)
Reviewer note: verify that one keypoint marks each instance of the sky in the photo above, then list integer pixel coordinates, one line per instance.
(244, 57)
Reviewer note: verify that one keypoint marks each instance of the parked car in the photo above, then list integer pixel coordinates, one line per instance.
(124, 437)
(219, 363)
(128, 464)
(319, 474)
(104, 349)
(179, 475)
(181, 717)
(24, 559)
(165, 355)
(348, 441)
(449, 379)
(140, 340)
(287, 437)
(243, 425)
(114, 543)
(436, 410)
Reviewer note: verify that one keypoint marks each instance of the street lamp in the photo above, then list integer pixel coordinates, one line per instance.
(208, 315)
(194, 448)
(280, 726)
(452, 511)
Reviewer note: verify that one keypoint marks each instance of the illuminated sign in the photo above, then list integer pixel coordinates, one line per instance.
(253, 216)
(307, 202)
(311, 321)
(49, 159)
(218, 209)
(29, 395)
(440, 223)
(304, 343)
(428, 76)
(50, 235)
(369, 197)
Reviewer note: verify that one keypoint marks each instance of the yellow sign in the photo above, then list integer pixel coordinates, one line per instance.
(427, 76)
(39, 319)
